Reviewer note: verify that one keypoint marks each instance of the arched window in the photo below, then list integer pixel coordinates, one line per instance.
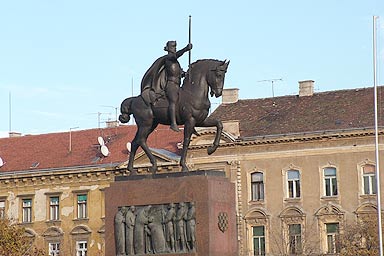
(257, 186)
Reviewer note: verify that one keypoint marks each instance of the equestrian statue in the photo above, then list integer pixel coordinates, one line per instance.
(163, 101)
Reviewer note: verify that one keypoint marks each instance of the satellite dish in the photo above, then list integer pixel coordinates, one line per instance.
(101, 141)
(1, 162)
(129, 145)
(104, 150)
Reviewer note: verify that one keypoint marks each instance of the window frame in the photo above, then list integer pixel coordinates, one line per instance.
(81, 251)
(27, 210)
(332, 238)
(297, 238)
(261, 241)
(371, 178)
(333, 188)
(54, 251)
(82, 206)
(54, 209)
(296, 185)
(257, 187)
(3, 201)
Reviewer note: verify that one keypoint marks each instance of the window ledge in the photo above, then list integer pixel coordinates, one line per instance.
(368, 196)
(293, 200)
(256, 202)
(53, 221)
(83, 219)
(330, 198)
(26, 223)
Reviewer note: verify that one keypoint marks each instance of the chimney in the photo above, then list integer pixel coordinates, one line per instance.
(111, 124)
(306, 88)
(14, 134)
(230, 96)
(232, 127)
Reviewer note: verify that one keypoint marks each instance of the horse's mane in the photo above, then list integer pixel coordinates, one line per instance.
(198, 66)
(204, 60)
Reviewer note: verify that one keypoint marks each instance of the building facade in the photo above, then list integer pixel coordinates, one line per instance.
(53, 184)
(304, 167)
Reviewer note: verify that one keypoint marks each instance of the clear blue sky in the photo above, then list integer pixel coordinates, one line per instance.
(62, 62)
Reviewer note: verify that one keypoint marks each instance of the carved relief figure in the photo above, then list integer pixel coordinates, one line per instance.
(120, 231)
(169, 227)
(157, 236)
(180, 227)
(191, 225)
(139, 232)
(129, 228)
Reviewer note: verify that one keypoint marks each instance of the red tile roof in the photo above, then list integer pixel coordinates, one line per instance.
(45, 151)
(333, 110)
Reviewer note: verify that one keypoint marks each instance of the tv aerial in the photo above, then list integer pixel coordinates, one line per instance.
(272, 81)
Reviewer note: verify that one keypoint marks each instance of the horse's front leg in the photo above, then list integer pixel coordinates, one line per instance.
(134, 148)
(219, 130)
(188, 130)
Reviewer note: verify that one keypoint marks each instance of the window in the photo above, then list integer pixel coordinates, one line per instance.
(330, 181)
(257, 186)
(332, 237)
(294, 233)
(54, 249)
(27, 210)
(293, 178)
(2, 209)
(82, 206)
(258, 240)
(369, 179)
(54, 208)
(81, 248)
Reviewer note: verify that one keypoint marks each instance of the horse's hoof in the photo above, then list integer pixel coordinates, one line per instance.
(211, 149)
(184, 169)
(153, 169)
(133, 172)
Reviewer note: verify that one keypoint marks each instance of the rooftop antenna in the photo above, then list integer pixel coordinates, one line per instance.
(272, 81)
(10, 114)
(111, 107)
(70, 138)
(98, 117)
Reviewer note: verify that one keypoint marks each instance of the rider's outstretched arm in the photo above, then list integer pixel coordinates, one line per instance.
(182, 51)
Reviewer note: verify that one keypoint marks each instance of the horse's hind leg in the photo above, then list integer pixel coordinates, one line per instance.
(134, 147)
(141, 138)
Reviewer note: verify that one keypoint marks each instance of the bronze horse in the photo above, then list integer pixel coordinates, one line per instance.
(191, 110)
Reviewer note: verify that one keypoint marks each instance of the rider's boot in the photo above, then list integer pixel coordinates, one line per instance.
(172, 115)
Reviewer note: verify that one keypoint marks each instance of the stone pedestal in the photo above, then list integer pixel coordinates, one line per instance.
(213, 197)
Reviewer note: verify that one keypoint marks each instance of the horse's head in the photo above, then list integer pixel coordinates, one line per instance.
(216, 77)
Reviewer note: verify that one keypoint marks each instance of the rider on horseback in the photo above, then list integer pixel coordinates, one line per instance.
(166, 68)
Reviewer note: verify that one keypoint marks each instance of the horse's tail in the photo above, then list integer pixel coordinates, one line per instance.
(126, 110)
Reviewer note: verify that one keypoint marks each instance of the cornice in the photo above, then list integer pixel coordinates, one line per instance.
(296, 137)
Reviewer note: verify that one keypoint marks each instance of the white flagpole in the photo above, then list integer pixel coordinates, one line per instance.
(377, 140)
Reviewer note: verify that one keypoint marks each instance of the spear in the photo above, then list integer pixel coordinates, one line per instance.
(189, 52)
